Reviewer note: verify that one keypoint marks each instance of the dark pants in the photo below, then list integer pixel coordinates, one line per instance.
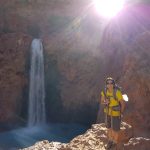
(113, 122)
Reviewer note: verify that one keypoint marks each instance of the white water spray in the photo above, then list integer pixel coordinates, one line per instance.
(36, 113)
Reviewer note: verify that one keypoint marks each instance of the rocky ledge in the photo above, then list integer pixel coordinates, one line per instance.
(96, 139)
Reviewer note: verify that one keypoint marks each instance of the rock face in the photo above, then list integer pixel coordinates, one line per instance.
(95, 139)
(70, 67)
(13, 51)
(137, 75)
(80, 52)
(128, 49)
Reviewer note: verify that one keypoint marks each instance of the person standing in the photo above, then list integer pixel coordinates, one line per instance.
(112, 100)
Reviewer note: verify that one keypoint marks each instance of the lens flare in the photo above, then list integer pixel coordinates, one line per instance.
(108, 8)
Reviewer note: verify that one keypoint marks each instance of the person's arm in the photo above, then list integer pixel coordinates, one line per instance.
(103, 100)
(122, 103)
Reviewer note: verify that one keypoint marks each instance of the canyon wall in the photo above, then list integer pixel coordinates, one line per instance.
(80, 50)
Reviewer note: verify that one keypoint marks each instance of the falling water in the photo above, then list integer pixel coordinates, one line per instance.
(36, 113)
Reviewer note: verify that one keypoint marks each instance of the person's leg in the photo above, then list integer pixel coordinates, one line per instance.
(115, 129)
(109, 132)
(108, 126)
(115, 135)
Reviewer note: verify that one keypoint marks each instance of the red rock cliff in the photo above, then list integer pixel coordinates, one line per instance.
(78, 57)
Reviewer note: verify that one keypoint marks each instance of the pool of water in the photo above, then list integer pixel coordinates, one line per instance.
(25, 137)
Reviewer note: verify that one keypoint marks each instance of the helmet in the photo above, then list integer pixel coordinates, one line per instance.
(110, 79)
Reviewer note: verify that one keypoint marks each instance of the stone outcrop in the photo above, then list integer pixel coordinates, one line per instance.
(96, 139)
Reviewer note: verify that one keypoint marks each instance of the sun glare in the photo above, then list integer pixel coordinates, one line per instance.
(125, 97)
(108, 8)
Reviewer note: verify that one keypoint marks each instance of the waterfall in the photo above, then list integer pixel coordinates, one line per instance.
(36, 112)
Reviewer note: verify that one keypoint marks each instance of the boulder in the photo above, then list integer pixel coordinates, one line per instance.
(95, 139)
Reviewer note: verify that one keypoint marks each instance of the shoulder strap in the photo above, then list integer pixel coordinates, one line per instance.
(115, 94)
(105, 92)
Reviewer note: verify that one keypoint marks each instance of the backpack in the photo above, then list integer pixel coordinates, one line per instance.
(116, 88)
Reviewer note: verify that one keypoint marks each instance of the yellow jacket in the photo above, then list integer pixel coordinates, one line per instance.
(109, 110)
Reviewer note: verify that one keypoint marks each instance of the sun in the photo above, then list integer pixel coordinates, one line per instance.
(108, 8)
